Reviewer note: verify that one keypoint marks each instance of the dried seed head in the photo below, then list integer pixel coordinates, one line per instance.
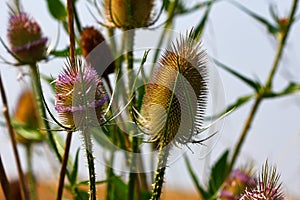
(79, 93)
(26, 114)
(267, 186)
(25, 38)
(128, 14)
(176, 96)
(90, 39)
(236, 183)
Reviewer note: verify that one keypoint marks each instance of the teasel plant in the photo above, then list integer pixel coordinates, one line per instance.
(267, 186)
(29, 47)
(129, 16)
(175, 101)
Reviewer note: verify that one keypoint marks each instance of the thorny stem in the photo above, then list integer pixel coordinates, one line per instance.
(24, 191)
(90, 159)
(64, 166)
(160, 172)
(38, 91)
(129, 42)
(168, 25)
(31, 178)
(4, 182)
(267, 87)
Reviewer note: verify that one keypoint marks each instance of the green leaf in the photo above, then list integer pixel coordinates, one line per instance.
(81, 195)
(292, 88)
(57, 9)
(64, 52)
(201, 190)
(200, 27)
(254, 84)
(32, 134)
(74, 171)
(271, 28)
(218, 174)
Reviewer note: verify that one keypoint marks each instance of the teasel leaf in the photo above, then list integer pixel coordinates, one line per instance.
(57, 9)
(176, 96)
(253, 84)
(271, 28)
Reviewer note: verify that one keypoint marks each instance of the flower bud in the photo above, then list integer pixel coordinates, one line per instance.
(79, 93)
(129, 14)
(25, 38)
(176, 96)
(90, 39)
(26, 115)
(236, 183)
(267, 186)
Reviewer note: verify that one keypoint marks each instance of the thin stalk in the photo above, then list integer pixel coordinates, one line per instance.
(4, 182)
(168, 25)
(267, 87)
(64, 166)
(90, 159)
(38, 91)
(71, 32)
(31, 178)
(24, 191)
(160, 172)
(129, 42)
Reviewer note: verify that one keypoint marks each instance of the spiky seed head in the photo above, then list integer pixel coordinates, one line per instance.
(25, 38)
(79, 92)
(176, 96)
(267, 186)
(90, 39)
(236, 183)
(26, 114)
(128, 14)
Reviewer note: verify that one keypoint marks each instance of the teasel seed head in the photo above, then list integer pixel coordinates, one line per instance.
(267, 186)
(90, 39)
(25, 38)
(236, 183)
(182, 74)
(129, 14)
(79, 92)
(26, 114)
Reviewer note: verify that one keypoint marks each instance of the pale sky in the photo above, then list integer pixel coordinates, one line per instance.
(236, 40)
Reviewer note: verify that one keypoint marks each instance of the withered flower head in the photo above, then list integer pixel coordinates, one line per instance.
(26, 115)
(267, 186)
(176, 96)
(25, 38)
(79, 92)
(236, 183)
(90, 39)
(129, 14)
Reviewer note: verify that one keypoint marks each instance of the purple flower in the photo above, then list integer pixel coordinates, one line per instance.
(267, 186)
(236, 183)
(25, 38)
(80, 96)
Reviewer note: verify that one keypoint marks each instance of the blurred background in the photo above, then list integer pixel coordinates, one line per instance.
(230, 36)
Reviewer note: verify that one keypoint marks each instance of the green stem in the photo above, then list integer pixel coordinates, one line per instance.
(38, 91)
(90, 159)
(160, 172)
(4, 182)
(129, 39)
(31, 178)
(64, 166)
(167, 27)
(266, 89)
